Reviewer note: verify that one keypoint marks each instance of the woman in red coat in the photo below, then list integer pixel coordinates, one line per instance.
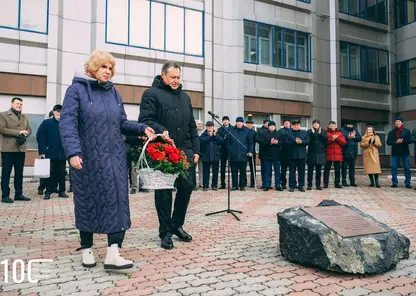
(334, 154)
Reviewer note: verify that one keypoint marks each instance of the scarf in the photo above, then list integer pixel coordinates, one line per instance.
(16, 112)
(399, 131)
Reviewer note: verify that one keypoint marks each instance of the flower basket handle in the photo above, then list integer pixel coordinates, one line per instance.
(142, 159)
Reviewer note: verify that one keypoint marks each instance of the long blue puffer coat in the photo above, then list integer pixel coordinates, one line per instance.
(92, 122)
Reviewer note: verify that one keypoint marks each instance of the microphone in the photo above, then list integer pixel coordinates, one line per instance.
(213, 115)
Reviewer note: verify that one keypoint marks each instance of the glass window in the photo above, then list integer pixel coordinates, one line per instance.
(117, 21)
(343, 6)
(35, 121)
(372, 65)
(278, 48)
(402, 74)
(197, 114)
(265, 34)
(250, 42)
(355, 56)
(373, 10)
(303, 51)
(412, 81)
(354, 7)
(193, 32)
(410, 11)
(158, 26)
(363, 12)
(174, 37)
(406, 12)
(383, 66)
(9, 13)
(382, 11)
(290, 51)
(139, 22)
(344, 59)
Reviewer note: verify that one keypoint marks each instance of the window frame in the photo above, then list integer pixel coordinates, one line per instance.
(164, 29)
(399, 71)
(19, 12)
(365, 71)
(308, 51)
(365, 14)
(406, 16)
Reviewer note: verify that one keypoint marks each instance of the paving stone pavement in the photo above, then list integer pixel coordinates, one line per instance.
(226, 257)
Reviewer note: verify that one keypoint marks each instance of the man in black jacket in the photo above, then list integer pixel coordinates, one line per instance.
(252, 159)
(318, 140)
(296, 140)
(349, 153)
(224, 148)
(284, 155)
(168, 110)
(260, 139)
(400, 138)
(50, 146)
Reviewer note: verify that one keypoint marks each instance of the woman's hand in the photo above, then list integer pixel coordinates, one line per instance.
(150, 133)
(76, 162)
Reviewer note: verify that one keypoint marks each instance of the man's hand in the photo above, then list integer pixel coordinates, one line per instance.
(42, 156)
(25, 133)
(250, 154)
(320, 130)
(150, 133)
(312, 130)
(76, 162)
(196, 158)
(399, 141)
(350, 136)
(298, 141)
(167, 138)
(274, 141)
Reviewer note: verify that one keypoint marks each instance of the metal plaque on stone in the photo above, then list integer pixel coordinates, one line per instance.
(344, 221)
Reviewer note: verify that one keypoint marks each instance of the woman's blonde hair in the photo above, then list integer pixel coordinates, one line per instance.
(96, 60)
(372, 127)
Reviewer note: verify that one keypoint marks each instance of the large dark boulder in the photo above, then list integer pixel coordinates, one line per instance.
(309, 242)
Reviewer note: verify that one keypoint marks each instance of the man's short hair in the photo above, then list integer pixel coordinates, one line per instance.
(170, 64)
(16, 99)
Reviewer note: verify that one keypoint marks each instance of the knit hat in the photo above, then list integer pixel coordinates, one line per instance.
(250, 119)
(209, 123)
(239, 119)
(226, 118)
(400, 118)
(316, 121)
(271, 122)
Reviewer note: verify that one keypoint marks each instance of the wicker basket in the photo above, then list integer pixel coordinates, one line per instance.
(151, 178)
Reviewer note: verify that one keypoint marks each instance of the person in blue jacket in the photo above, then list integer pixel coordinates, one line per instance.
(210, 146)
(239, 154)
(50, 146)
(349, 153)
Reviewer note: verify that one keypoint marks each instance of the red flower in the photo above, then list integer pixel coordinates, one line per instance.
(175, 158)
(158, 156)
(171, 150)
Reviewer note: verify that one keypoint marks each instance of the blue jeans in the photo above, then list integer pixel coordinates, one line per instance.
(268, 173)
(406, 165)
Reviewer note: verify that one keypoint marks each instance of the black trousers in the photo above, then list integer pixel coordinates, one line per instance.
(206, 167)
(223, 170)
(252, 166)
(87, 239)
(318, 174)
(163, 202)
(239, 167)
(263, 171)
(11, 160)
(57, 178)
(327, 170)
(69, 174)
(348, 163)
(42, 184)
(299, 165)
(284, 165)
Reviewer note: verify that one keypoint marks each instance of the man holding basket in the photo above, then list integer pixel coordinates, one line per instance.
(168, 110)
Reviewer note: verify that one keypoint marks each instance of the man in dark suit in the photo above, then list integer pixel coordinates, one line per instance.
(252, 159)
(224, 148)
(260, 138)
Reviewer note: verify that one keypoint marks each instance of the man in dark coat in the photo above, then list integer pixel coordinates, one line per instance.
(400, 138)
(272, 142)
(284, 154)
(252, 159)
(318, 140)
(349, 153)
(296, 140)
(239, 153)
(50, 146)
(168, 110)
(224, 148)
(210, 142)
(259, 138)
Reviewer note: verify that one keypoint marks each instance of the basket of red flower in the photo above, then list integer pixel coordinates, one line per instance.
(160, 164)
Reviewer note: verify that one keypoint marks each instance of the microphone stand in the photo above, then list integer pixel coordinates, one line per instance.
(228, 210)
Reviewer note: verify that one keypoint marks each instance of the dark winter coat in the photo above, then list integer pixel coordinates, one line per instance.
(210, 147)
(92, 122)
(254, 135)
(165, 109)
(295, 150)
(350, 150)
(399, 149)
(317, 147)
(285, 149)
(272, 151)
(224, 146)
(259, 138)
(237, 152)
(334, 148)
(49, 140)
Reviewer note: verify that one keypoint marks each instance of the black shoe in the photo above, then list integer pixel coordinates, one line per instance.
(353, 185)
(242, 189)
(21, 197)
(133, 191)
(325, 186)
(205, 189)
(144, 190)
(215, 188)
(234, 189)
(266, 189)
(345, 184)
(223, 187)
(63, 194)
(309, 188)
(408, 187)
(167, 242)
(279, 189)
(182, 235)
(318, 188)
(40, 192)
(284, 187)
(378, 185)
(251, 186)
(7, 199)
(56, 190)
(394, 186)
(338, 186)
(292, 190)
(301, 189)
(261, 187)
(47, 196)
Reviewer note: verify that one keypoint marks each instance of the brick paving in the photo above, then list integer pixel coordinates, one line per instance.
(227, 257)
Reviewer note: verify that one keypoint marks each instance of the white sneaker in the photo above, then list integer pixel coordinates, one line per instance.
(113, 260)
(88, 259)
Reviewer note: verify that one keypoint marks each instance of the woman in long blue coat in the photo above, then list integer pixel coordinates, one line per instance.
(92, 122)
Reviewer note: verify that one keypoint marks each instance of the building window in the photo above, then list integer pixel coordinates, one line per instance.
(197, 114)
(25, 15)
(155, 25)
(277, 46)
(406, 78)
(34, 121)
(372, 10)
(405, 12)
(364, 63)
(305, 1)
